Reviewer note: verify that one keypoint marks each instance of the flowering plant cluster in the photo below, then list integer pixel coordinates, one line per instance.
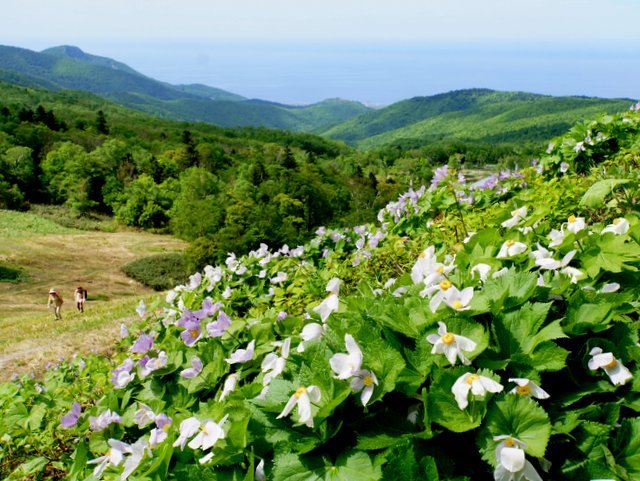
(508, 353)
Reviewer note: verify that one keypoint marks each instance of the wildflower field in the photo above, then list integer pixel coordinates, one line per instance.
(484, 330)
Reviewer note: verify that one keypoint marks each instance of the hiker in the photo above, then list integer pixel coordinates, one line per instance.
(80, 295)
(56, 301)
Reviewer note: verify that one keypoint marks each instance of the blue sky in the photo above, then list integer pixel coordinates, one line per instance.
(275, 49)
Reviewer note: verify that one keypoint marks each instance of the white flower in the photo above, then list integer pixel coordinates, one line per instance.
(154, 363)
(516, 216)
(556, 236)
(609, 288)
(507, 442)
(451, 345)
(330, 303)
(499, 273)
(514, 467)
(105, 418)
(620, 226)
(229, 385)
(552, 264)
(526, 387)
(122, 379)
(302, 398)
(208, 435)
(227, 292)
(272, 364)
(138, 450)
(422, 265)
(311, 332)
(364, 380)
(260, 475)
(477, 384)
(575, 224)
(573, 273)
(511, 248)
(438, 292)
(564, 167)
(141, 309)
(242, 355)
(482, 270)
(124, 331)
(459, 300)
(616, 371)
(346, 365)
(114, 457)
(188, 428)
(579, 147)
(279, 278)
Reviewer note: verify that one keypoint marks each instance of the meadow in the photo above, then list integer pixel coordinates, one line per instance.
(48, 255)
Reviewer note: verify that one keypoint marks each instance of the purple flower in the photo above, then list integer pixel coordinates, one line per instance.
(438, 176)
(191, 333)
(70, 420)
(122, 376)
(208, 309)
(150, 364)
(282, 315)
(104, 420)
(142, 344)
(188, 318)
(194, 370)
(218, 327)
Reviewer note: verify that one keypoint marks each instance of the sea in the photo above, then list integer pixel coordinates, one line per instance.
(379, 73)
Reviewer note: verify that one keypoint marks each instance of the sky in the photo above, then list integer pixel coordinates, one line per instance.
(375, 51)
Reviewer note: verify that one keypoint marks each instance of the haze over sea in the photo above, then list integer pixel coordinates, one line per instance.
(382, 73)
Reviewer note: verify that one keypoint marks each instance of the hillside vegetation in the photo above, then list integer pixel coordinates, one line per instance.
(223, 189)
(68, 67)
(477, 330)
(475, 115)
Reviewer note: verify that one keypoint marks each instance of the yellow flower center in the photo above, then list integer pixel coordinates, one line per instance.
(571, 219)
(510, 242)
(193, 333)
(440, 270)
(523, 390)
(300, 391)
(617, 221)
(514, 213)
(472, 377)
(205, 430)
(448, 338)
(509, 442)
(422, 255)
(611, 365)
(444, 285)
(368, 381)
(166, 427)
(457, 304)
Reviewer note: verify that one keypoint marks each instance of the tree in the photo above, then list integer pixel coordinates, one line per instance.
(101, 123)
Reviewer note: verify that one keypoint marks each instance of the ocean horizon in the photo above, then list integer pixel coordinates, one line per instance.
(379, 74)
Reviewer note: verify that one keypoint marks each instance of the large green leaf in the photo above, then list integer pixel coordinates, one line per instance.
(519, 417)
(594, 197)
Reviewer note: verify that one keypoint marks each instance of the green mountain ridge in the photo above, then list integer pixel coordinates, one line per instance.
(68, 67)
(477, 115)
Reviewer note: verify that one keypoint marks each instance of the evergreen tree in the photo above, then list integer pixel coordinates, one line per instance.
(101, 123)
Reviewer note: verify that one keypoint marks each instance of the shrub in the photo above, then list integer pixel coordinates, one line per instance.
(9, 274)
(160, 271)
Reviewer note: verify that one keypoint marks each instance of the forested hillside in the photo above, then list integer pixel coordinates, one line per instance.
(226, 189)
(478, 116)
(68, 67)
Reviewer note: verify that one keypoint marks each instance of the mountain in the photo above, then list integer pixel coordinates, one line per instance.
(68, 67)
(476, 115)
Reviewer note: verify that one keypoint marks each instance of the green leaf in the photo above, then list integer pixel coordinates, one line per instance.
(594, 197)
(354, 466)
(612, 253)
(627, 451)
(507, 291)
(519, 417)
(584, 318)
(443, 408)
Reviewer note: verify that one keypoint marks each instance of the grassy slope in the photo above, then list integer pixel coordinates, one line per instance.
(55, 256)
(476, 115)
